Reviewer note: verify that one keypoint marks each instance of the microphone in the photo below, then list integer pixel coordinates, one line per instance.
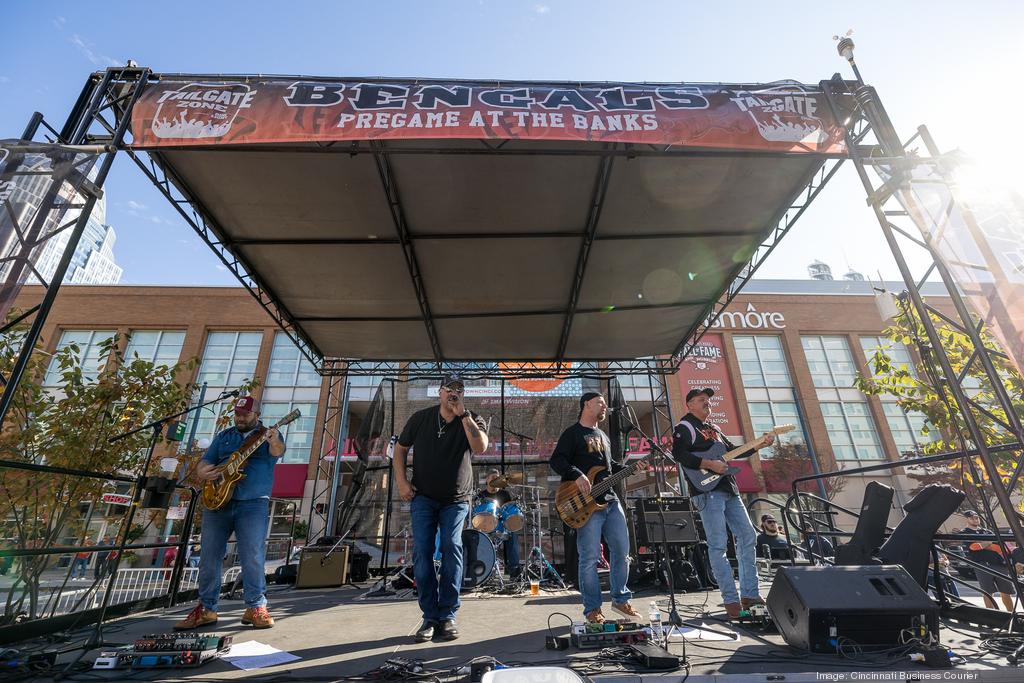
(680, 525)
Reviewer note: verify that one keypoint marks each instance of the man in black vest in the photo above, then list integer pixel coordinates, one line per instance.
(721, 508)
(442, 439)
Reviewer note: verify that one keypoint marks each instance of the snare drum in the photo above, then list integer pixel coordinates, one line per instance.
(510, 517)
(485, 515)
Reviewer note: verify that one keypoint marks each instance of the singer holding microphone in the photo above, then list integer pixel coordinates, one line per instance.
(721, 509)
(442, 439)
(247, 515)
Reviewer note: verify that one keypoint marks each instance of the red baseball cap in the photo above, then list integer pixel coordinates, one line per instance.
(247, 404)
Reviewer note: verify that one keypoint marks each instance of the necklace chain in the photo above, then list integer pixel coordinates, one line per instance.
(440, 426)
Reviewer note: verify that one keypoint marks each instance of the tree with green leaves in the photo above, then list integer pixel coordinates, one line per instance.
(923, 389)
(70, 425)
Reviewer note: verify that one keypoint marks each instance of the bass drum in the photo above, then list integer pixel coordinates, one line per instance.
(478, 558)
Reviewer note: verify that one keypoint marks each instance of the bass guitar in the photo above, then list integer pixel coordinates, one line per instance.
(217, 492)
(575, 507)
(706, 480)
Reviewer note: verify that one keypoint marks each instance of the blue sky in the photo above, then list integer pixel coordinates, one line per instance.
(946, 64)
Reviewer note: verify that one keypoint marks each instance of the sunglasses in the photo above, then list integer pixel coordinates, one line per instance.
(455, 391)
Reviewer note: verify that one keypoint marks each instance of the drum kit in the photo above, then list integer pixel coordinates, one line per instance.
(491, 525)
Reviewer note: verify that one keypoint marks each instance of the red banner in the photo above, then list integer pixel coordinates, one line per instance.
(706, 367)
(783, 116)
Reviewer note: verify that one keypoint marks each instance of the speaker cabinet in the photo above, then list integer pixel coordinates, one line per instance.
(815, 608)
(679, 524)
(314, 572)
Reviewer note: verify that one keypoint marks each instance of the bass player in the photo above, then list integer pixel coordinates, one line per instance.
(247, 514)
(721, 507)
(580, 448)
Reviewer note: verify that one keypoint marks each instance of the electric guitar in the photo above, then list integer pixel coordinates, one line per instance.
(575, 507)
(217, 492)
(706, 480)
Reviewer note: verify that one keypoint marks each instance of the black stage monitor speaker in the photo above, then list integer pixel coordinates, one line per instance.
(679, 523)
(870, 531)
(815, 608)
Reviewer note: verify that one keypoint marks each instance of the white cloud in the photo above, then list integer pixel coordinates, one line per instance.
(86, 49)
(136, 206)
(542, 9)
(58, 22)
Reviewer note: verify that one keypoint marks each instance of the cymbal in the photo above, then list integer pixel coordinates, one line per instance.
(510, 478)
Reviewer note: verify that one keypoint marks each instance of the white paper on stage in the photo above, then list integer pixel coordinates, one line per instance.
(255, 655)
(690, 633)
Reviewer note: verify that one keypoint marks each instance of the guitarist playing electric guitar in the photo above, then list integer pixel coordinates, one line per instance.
(721, 507)
(582, 450)
(247, 515)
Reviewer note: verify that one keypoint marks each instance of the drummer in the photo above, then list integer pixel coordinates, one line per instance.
(501, 496)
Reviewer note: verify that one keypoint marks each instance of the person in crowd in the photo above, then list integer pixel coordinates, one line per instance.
(770, 542)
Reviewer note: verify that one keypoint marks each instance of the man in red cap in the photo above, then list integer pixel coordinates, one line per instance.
(443, 439)
(247, 515)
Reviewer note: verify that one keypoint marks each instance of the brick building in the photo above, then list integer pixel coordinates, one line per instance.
(786, 352)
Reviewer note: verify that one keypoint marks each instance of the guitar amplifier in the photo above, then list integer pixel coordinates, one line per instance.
(679, 523)
(314, 572)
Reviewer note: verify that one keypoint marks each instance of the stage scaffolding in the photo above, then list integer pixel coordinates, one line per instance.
(912, 192)
(100, 120)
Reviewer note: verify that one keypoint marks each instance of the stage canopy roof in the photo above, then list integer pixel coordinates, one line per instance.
(454, 221)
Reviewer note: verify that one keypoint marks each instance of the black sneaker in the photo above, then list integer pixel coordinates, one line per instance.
(447, 630)
(426, 631)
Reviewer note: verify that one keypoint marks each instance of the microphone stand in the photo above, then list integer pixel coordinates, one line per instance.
(674, 619)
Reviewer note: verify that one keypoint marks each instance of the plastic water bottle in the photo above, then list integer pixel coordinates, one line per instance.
(655, 618)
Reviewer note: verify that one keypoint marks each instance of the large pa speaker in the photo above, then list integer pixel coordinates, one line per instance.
(316, 572)
(816, 608)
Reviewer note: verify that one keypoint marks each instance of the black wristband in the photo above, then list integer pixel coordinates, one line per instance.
(465, 415)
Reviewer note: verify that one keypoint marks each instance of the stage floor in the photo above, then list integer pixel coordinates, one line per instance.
(336, 633)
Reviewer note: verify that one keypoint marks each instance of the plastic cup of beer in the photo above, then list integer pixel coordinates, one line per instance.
(534, 587)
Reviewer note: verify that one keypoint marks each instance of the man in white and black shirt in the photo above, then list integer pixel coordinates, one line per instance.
(721, 509)
(443, 439)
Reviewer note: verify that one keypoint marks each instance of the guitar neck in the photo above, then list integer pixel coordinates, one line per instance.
(606, 485)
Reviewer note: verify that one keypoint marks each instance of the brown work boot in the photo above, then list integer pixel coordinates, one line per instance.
(732, 609)
(626, 610)
(595, 616)
(747, 603)
(200, 616)
(259, 617)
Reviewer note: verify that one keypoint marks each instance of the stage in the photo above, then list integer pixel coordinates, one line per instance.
(336, 634)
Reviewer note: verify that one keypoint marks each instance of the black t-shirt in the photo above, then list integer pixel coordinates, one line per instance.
(578, 449)
(777, 546)
(441, 466)
(687, 449)
(985, 555)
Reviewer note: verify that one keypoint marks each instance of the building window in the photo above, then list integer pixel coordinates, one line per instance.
(288, 367)
(768, 386)
(905, 426)
(298, 435)
(851, 430)
(162, 347)
(229, 358)
(830, 361)
(89, 353)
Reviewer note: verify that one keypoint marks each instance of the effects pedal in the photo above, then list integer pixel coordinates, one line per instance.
(176, 650)
(121, 658)
(587, 636)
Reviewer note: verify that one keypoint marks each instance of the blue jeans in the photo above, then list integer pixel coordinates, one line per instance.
(611, 524)
(718, 510)
(511, 549)
(78, 566)
(438, 598)
(248, 519)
